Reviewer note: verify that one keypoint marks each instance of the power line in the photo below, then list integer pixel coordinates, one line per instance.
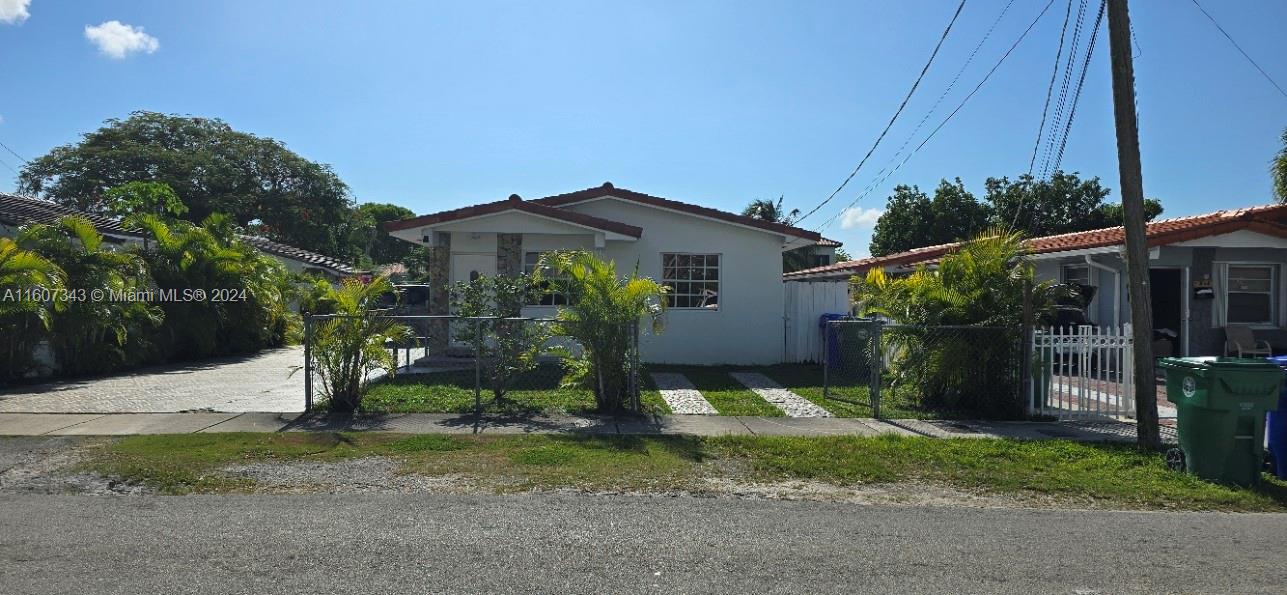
(951, 85)
(949, 117)
(899, 111)
(1240, 50)
(15, 153)
(1041, 128)
(9, 167)
(1085, 65)
(1064, 86)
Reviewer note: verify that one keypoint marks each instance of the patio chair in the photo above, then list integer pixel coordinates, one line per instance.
(1241, 341)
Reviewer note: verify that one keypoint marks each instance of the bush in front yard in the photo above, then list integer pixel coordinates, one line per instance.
(350, 345)
(603, 314)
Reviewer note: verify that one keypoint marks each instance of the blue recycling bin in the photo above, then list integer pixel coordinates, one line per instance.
(1276, 427)
(832, 332)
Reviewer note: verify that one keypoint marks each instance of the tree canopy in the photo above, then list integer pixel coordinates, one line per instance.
(1062, 204)
(1278, 171)
(376, 245)
(256, 181)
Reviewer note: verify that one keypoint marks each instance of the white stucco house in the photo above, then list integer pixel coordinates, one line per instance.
(727, 301)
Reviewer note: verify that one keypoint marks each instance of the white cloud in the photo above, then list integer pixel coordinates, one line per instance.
(860, 217)
(1, 119)
(14, 11)
(117, 40)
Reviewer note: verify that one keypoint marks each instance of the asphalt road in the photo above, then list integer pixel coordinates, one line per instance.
(405, 543)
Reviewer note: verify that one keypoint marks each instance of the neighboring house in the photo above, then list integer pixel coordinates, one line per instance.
(16, 211)
(727, 299)
(1205, 272)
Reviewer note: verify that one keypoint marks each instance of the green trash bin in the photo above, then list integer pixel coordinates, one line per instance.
(1221, 404)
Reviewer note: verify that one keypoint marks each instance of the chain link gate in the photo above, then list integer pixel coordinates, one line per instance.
(972, 371)
(852, 362)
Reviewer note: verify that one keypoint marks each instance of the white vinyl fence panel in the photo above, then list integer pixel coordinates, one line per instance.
(806, 302)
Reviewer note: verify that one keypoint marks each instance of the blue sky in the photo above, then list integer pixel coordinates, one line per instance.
(439, 105)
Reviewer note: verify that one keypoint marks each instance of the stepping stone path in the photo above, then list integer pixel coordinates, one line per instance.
(681, 395)
(790, 403)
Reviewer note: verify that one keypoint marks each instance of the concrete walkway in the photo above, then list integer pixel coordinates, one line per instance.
(258, 382)
(83, 424)
(680, 394)
(791, 404)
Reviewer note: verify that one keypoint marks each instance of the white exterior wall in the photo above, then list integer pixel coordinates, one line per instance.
(748, 326)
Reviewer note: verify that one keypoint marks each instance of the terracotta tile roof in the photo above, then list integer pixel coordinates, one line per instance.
(313, 259)
(829, 243)
(514, 203)
(607, 189)
(21, 210)
(1267, 219)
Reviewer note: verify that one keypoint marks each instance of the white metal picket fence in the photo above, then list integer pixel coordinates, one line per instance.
(1082, 372)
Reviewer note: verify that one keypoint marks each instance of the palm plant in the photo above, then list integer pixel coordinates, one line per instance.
(25, 315)
(772, 211)
(96, 332)
(981, 285)
(350, 344)
(603, 314)
(211, 260)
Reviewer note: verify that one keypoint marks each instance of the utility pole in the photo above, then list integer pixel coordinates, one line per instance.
(1132, 184)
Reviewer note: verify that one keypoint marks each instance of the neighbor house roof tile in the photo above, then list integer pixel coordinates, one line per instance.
(1267, 219)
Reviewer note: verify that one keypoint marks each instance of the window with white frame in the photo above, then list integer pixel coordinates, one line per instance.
(693, 280)
(1249, 294)
(547, 295)
(1075, 273)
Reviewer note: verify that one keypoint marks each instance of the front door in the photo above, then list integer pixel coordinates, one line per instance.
(1167, 291)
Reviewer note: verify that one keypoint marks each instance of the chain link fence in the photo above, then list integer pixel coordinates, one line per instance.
(494, 358)
(973, 371)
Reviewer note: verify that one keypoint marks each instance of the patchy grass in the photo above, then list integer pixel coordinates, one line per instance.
(1052, 472)
(537, 392)
(728, 396)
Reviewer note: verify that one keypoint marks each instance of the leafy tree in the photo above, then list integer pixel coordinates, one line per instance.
(94, 335)
(1063, 204)
(842, 255)
(1278, 171)
(210, 167)
(24, 316)
(238, 296)
(603, 314)
(507, 348)
(912, 219)
(378, 246)
(141, 198)
(349, 346)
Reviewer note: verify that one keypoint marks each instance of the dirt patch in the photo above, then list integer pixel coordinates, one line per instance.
(366, 474)
(45, 465)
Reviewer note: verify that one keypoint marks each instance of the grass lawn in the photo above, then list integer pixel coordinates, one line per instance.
(536, 392)
(848, 399)
(1067, 473)
(728, 396)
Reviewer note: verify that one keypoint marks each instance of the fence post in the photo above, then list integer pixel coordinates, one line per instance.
(308, 362)
(826, 359)
(1025, 351)
(877, 367)
(478, 370)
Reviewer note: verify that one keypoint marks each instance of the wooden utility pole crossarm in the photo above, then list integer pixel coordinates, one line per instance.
(1132, 185)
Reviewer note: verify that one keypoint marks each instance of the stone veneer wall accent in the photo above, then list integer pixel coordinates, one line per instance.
(439, 293)
(509, 254)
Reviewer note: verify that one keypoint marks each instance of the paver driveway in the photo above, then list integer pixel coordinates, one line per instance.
(261, 382)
